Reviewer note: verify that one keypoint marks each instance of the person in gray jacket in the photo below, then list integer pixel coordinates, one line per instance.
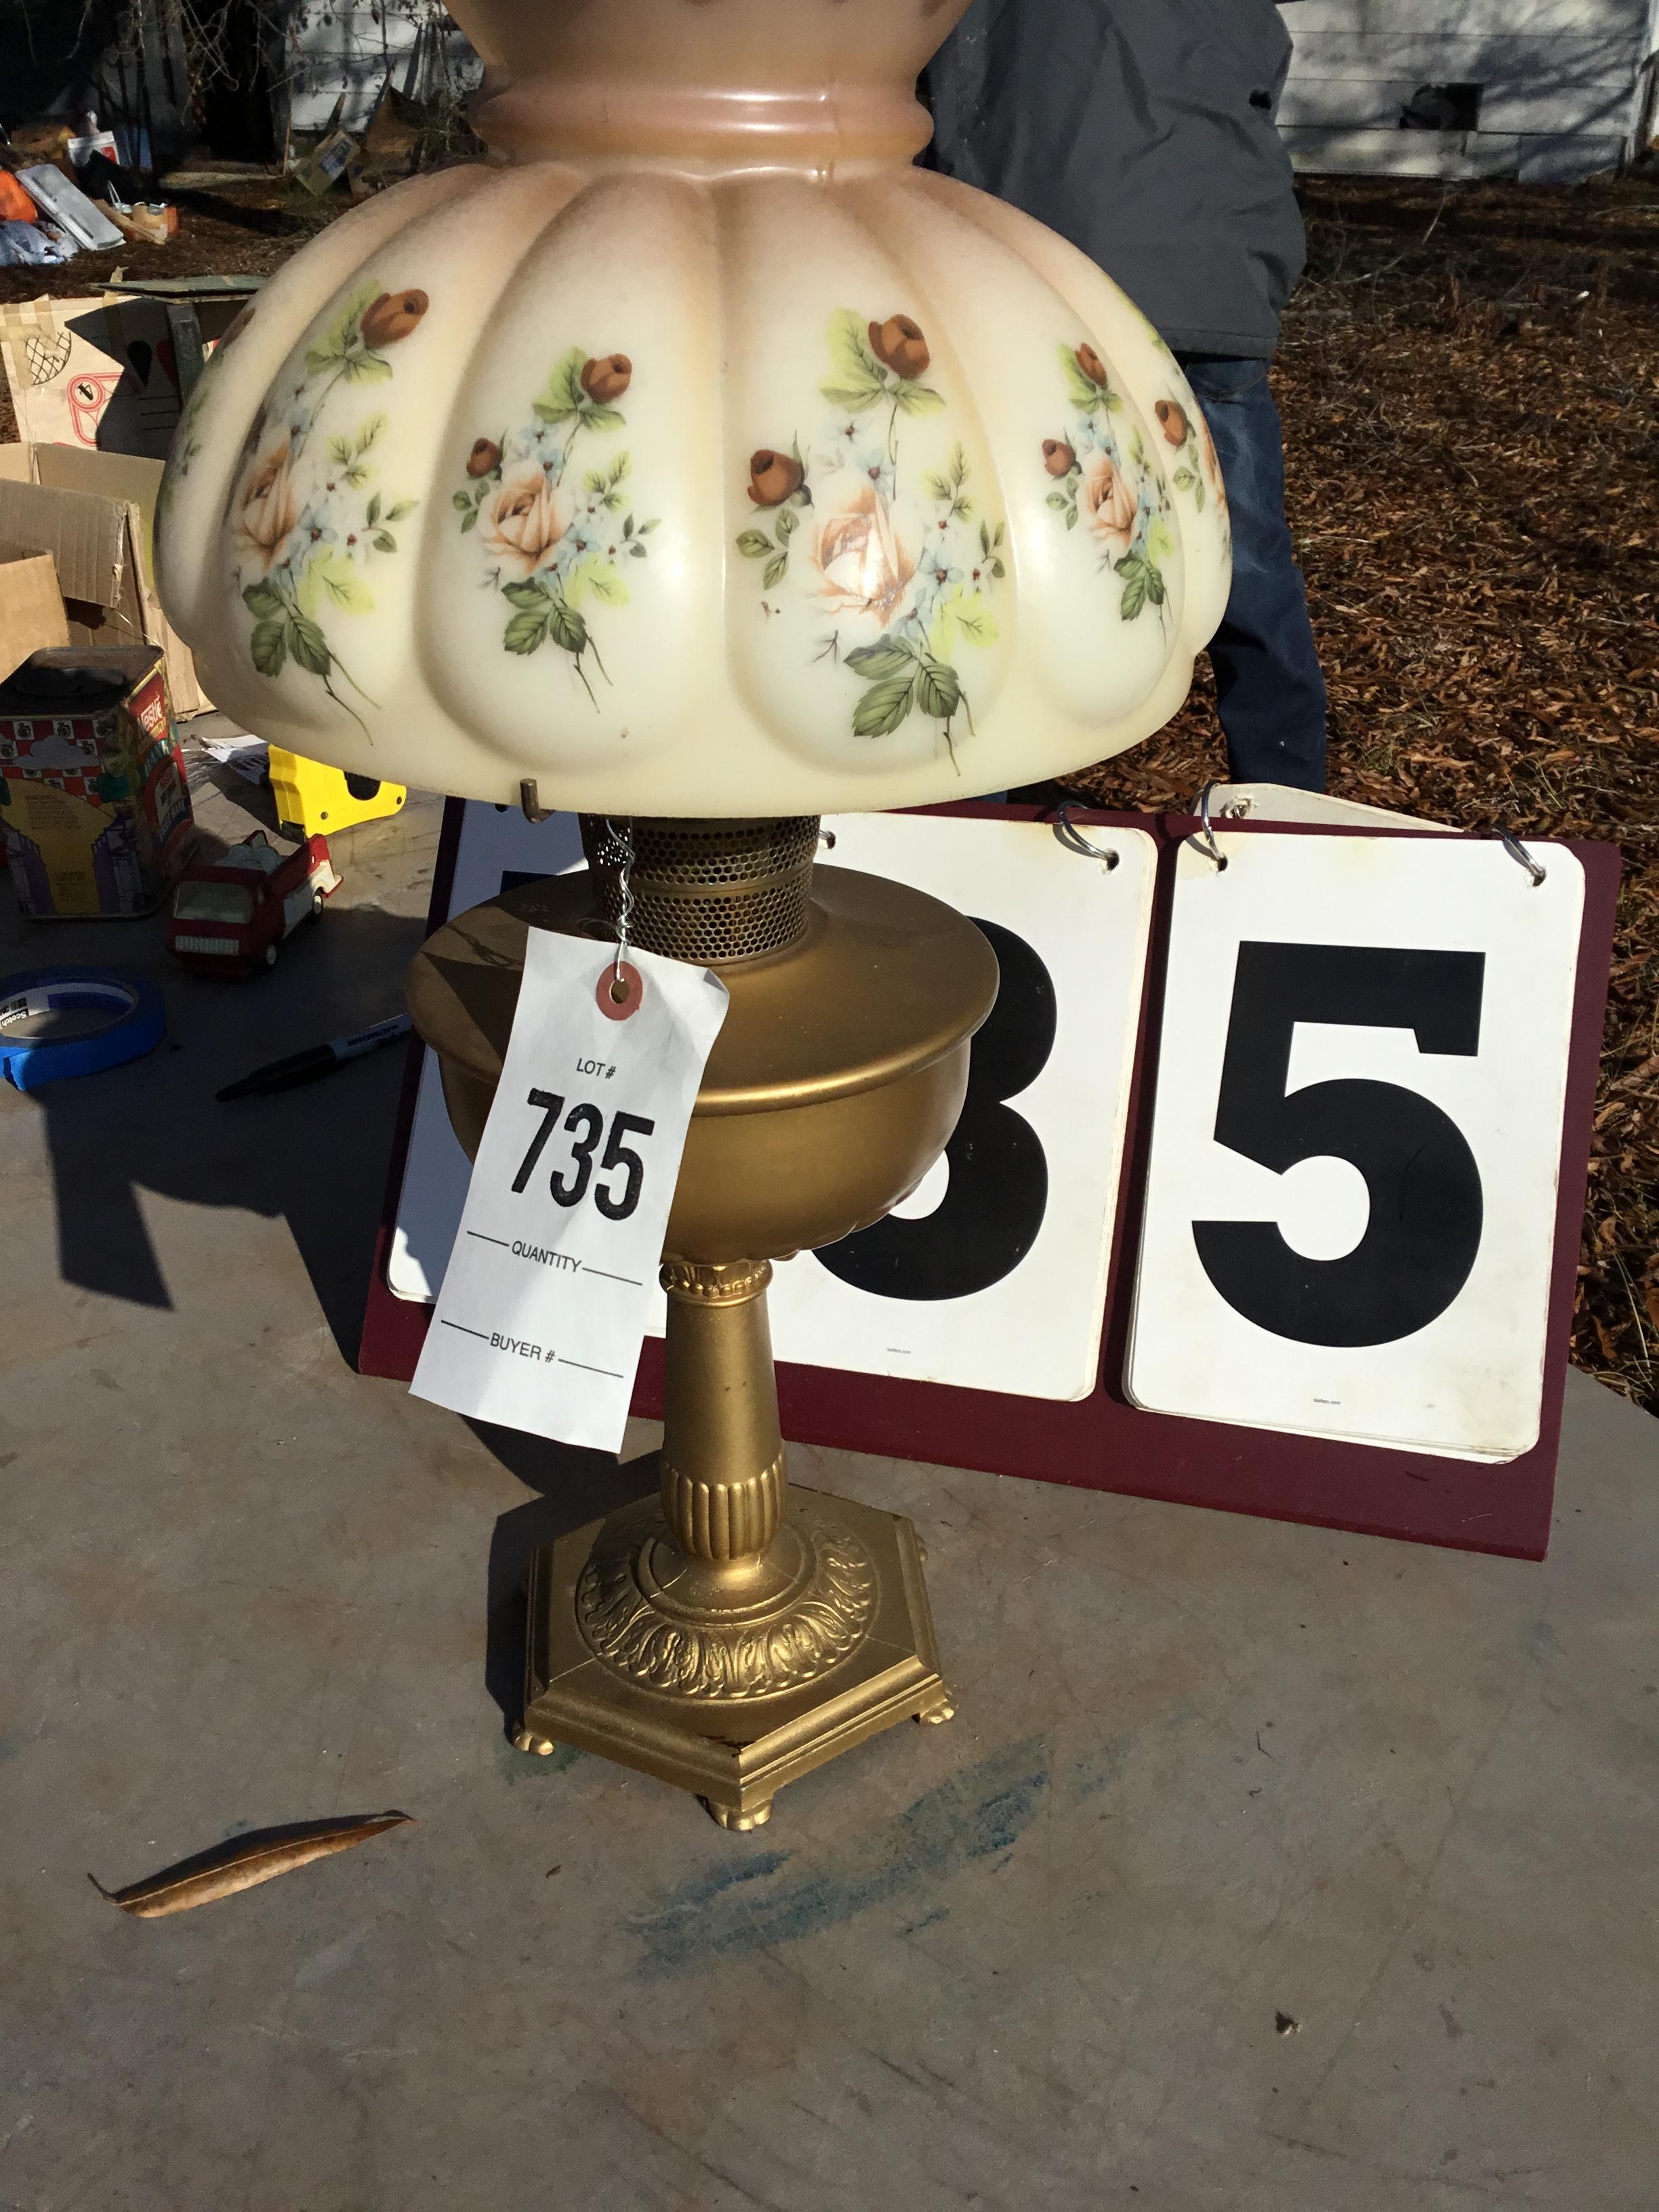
(1143, 130)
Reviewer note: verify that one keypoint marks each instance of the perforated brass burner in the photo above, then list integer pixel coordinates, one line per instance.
(727, 1639)
(709, 892)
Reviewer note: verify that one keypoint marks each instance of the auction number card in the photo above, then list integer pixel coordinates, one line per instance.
(543, 1305)
(992, 1275)
(1352, 1194)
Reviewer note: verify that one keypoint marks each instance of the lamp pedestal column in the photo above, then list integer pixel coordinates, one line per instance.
(725, 1635)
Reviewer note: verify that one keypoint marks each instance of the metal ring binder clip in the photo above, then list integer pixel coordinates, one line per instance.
(1075, 841)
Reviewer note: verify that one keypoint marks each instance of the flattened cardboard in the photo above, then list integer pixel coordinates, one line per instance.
(32, 616)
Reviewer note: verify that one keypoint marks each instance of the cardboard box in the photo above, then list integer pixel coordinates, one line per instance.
(94, 808)
(94, 513)
(102, 371)
(32, 616)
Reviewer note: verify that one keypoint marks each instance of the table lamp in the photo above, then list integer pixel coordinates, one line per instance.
(697, 464)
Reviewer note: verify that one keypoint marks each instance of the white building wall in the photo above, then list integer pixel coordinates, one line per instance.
(1563, 83)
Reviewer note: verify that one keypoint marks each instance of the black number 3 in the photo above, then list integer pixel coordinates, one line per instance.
(1423, 1228)
(998, 1188)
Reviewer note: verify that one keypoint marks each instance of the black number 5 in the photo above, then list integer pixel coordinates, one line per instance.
(619, 1155)
(1423, 1228)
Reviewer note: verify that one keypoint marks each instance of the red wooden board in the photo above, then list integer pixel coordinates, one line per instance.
(1102, 1442)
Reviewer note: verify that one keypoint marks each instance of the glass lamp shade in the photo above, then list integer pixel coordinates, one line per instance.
(696, 454)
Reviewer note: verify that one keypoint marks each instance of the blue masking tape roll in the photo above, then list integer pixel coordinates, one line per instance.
(121, 1018)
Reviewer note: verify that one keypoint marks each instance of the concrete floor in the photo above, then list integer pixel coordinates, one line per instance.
(1263, 1871)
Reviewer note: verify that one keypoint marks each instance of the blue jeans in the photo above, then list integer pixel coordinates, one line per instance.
(1270, 695)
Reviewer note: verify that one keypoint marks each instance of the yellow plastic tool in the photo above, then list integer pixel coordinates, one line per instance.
(312, 798)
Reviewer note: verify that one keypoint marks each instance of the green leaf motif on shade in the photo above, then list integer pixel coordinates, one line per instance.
(1160, 540)
(262, 600)
(918, 399)
(365, 368)
(468, 521)
(753, 544)
(343, 333)
(856, 398)
(884, 707)
(775, 572)
(1184, 480)
(343, 586)
(308, 645)
(938, 690)
(568, 629)
(531, 595)
(1086, 396)
(374, 510)
(857, 380)
(607, 586)
(369, 432)
(786, 523)
(269, 648)
(403, 508)
(525, 632)
(1198, 492)
(883, 659)
(563, 393)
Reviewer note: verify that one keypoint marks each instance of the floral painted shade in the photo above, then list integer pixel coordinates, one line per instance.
(692, 494)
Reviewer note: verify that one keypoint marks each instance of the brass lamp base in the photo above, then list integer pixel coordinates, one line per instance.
(758, 1746)
(712, 1637)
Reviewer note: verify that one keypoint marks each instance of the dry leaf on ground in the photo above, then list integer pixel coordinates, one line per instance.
(244, 1862)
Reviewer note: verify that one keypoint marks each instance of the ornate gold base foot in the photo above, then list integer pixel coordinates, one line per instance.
(836, 1647)
(724, 1817)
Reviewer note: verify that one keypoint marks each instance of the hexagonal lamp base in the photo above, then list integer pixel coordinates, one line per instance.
(610, 1659)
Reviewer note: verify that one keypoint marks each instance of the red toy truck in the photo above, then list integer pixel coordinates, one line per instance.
(229, 915)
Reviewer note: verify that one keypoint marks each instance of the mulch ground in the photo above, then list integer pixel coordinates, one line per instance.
(1470, 380)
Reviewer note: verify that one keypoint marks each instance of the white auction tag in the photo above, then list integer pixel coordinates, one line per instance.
(545, 1298)
(1351, 1196)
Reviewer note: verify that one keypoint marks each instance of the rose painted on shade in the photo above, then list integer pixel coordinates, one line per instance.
(773, 478)
(391, 317)
(271, 506)
(1172, 420)
(898, 343)
(1109, 503)
(862, 568)
(524, 522)
(606, 378)
(1093, 366)
(486, 455)
(1058, 458)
